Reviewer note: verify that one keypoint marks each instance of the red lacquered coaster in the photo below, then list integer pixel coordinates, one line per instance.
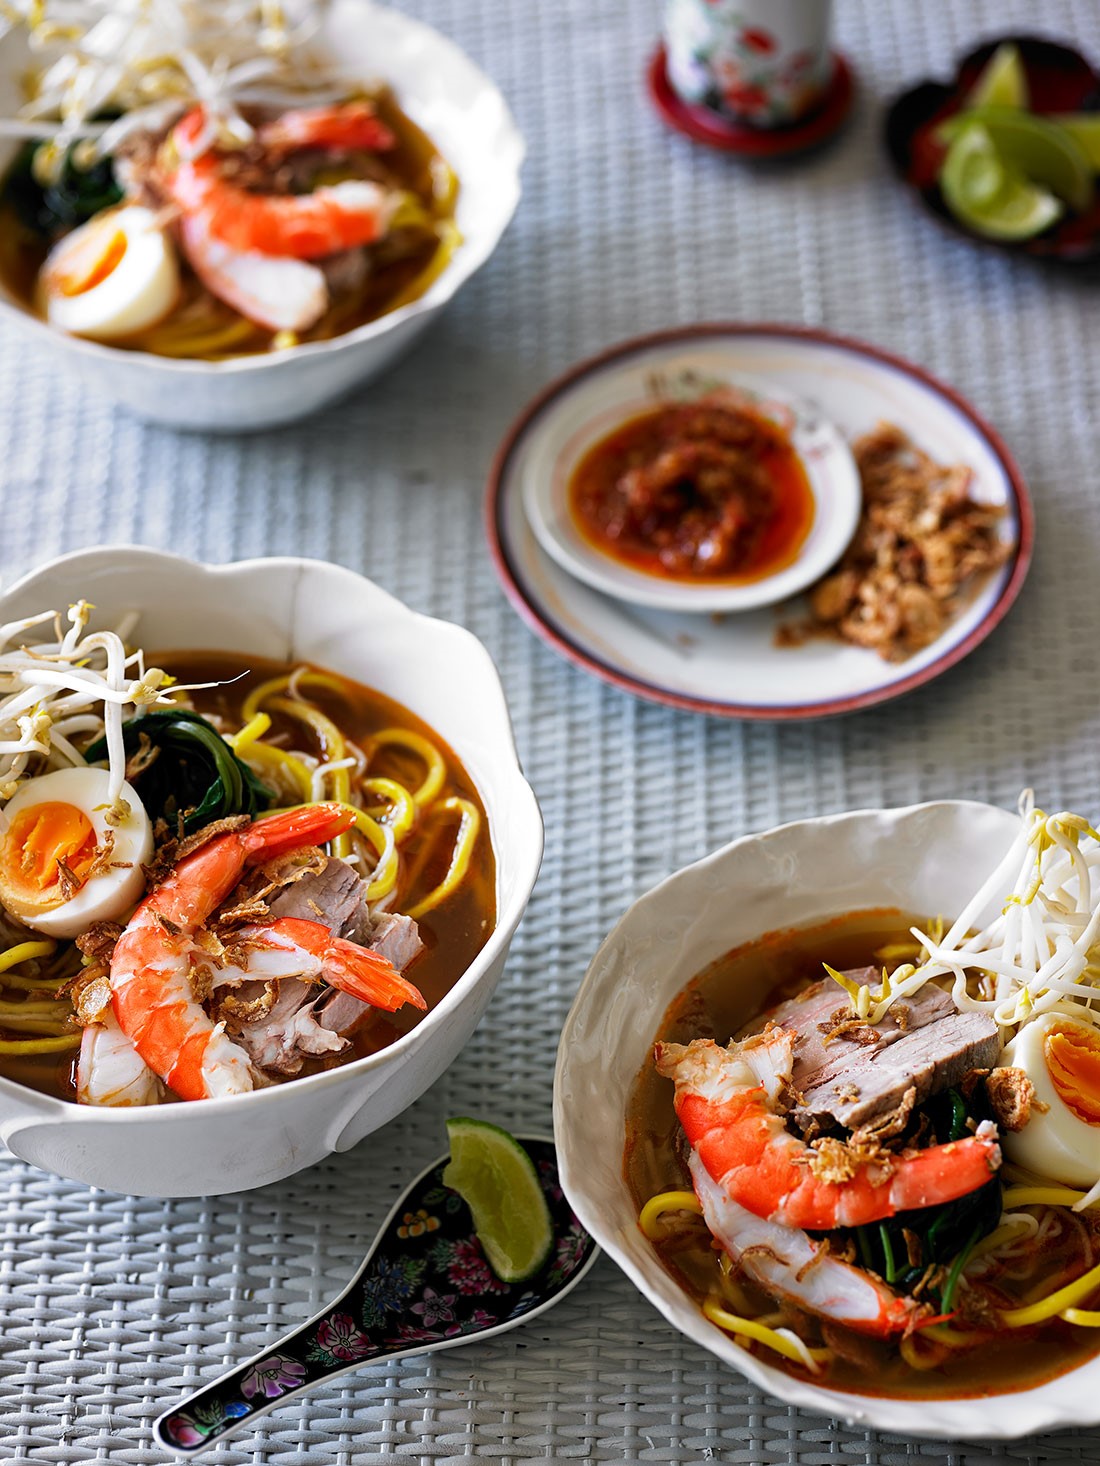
(705, 126)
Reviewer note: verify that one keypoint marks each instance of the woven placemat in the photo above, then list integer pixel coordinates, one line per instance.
(110, 1307)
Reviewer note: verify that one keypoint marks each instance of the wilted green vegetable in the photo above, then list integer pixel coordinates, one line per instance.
(947, 1233)
(72, 198)
(191, 770)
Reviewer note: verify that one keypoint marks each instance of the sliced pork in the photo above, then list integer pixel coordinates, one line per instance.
(282, 1021)
(280, 1040)
(850, 1073)
(321, 888)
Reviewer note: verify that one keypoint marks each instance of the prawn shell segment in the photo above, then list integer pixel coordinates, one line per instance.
(792, 1265)
(274, 291)
(746, 1147)
(110, 1071)
(353, 969)
(349, 126)
(293, 829)
(154, 1005)
(305, 226)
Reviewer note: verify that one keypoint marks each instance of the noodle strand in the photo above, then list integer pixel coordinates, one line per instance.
(436, 776)
(460, 858)
(783, 1341)
(666, 1201)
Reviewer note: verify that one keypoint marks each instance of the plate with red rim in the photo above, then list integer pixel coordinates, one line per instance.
(732, 666)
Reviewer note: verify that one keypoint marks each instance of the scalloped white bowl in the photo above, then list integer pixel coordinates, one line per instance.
(466, 117)
(920, 859)
(289, 609)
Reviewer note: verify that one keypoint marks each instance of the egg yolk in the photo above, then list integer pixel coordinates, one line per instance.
(1073, 1063)
(89, 262)
(40, 838)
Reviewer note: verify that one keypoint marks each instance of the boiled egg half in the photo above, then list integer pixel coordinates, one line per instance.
(1061, 1057)
(113, 276)
(62, 864)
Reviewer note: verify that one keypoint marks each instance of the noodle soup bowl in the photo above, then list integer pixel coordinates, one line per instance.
(290, 609)
(926, 858)
(467, 119)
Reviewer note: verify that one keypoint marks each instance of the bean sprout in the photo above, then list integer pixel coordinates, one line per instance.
(149, 59)
(77, 684)
(1041, 953)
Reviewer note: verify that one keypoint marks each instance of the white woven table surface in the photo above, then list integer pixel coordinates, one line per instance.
(110, 1307)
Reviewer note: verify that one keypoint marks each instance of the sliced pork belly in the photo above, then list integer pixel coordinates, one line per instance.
(280, 1040)
(323, 889)
(301, 1022)
(848, 1076)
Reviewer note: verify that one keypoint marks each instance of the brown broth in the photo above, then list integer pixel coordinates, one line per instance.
(453, 933)
(722, 1002)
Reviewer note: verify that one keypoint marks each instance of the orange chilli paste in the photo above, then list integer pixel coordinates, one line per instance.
(701, 491)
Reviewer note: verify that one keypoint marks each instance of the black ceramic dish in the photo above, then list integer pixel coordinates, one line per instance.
(1059, 78)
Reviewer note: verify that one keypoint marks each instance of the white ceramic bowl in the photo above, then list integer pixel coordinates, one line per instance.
(465, 116)
(921, 859)
(290, 608)
(595, 406)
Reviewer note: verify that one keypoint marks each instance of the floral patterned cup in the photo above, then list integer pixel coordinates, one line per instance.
(762, 62)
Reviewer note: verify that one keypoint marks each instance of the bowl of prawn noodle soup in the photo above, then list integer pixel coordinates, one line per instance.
(869, 865)
(467, 120)
(291, 611)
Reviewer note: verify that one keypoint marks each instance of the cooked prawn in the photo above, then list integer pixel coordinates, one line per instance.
(110, 1071)
(308, 950)
(277, 292)
(794, 1267)
(726, 1100)
(343, 128)
(304, 226)
(151, 968)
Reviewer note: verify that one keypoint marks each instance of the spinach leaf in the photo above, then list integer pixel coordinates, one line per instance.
(945, 1232)
(195, 772)
(72, 198)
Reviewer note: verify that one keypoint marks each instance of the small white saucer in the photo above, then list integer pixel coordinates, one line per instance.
(733, 666)
(596, 405)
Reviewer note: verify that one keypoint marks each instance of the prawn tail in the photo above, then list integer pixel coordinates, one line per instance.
(350, 126)
(946, 1172)
(353, 969)
(293, 829)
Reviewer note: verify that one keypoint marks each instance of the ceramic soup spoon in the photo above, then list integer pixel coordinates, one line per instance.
(424, 1285)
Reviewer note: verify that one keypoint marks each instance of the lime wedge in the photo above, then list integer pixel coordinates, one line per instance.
(1084, 129)
(1002, 82)
(1037, 147)
(973, 172)
(497, 1180)
(1024, 211)
(990, 198)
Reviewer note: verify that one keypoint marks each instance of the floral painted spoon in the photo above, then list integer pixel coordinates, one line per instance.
(424, 1285)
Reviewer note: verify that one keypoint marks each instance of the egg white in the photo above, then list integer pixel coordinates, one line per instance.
(109, 896)
(141, 289)
(1056, 1144)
